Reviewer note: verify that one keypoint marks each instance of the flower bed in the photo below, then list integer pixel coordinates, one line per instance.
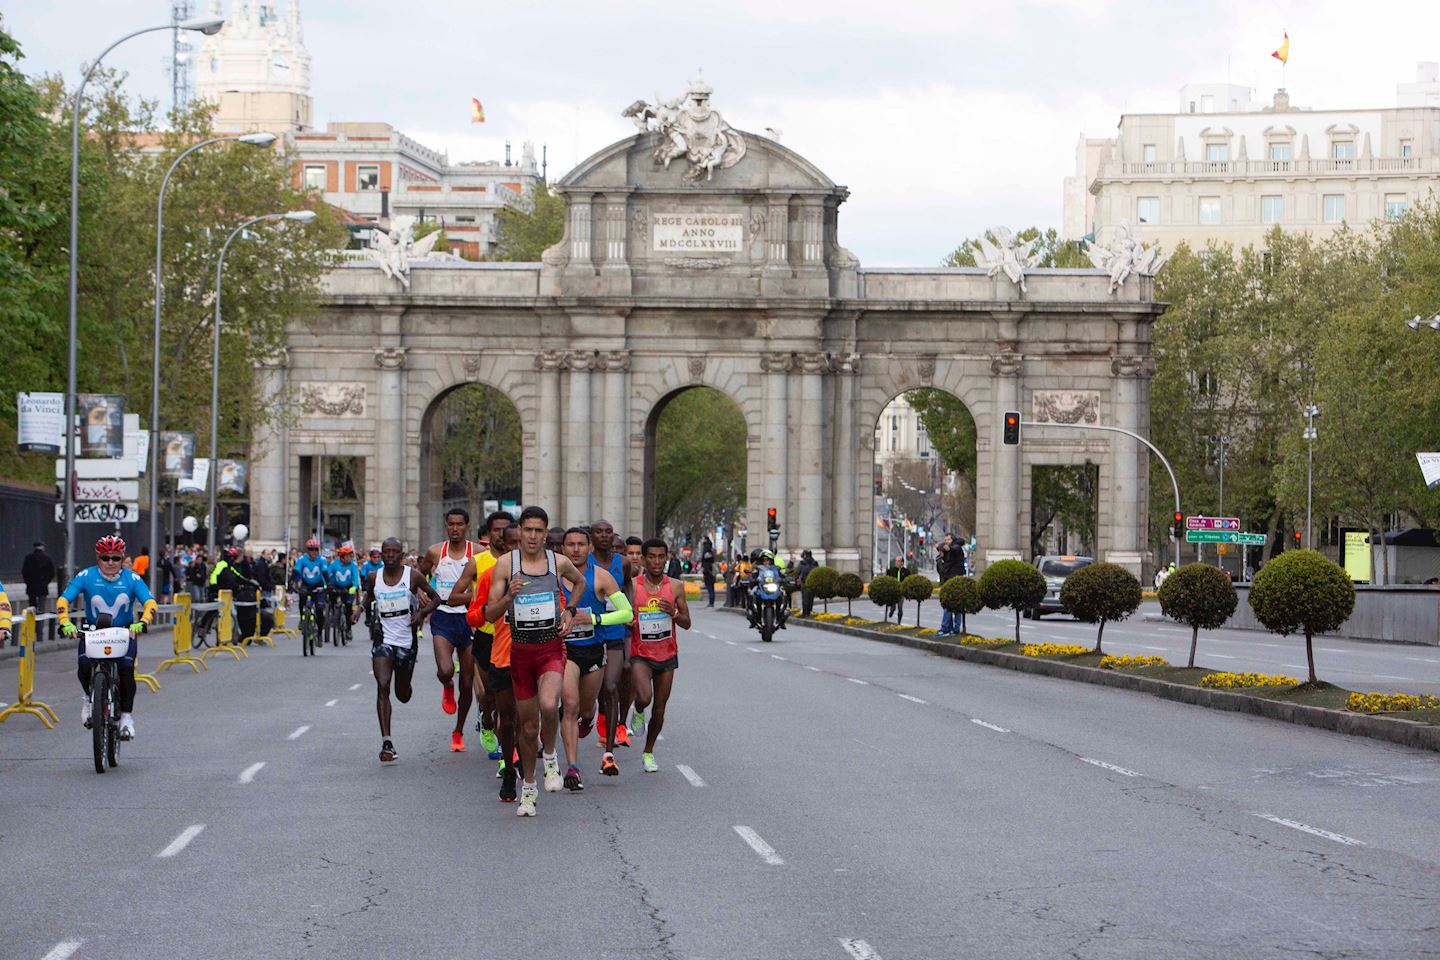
(927, 632)
(1238, 681)
(1126, 661)
(828, 617)
(1052, 650)
(970, 640)
(1390, 702)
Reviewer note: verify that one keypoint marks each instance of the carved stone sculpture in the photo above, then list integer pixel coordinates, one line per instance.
(390, 358)
(1006, 364)
(1065, 406)
(690, 128)
(1126, 256)
(999, 251)
(333, 400)
(550, 360)
(394, 250)
(776, 362)
(697, 368)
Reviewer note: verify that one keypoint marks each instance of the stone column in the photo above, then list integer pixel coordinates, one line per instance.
(270, 472)
(614, 442)
(774, 448)
(389, 514)
(578, 465)
(844, 453)
(1005, 487)
(547, 432)
(1130, 458)
(810, 477)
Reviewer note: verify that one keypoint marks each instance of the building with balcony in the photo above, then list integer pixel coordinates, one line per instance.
(1228, 169)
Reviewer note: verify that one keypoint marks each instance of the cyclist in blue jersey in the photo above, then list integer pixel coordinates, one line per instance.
(370, 565)
(122, 595)
(309, 577)
(344, 577)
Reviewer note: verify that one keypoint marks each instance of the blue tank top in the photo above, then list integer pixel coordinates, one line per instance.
(616, 569)
(587, 635)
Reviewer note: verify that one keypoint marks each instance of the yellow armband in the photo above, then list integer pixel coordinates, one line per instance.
(621, 614)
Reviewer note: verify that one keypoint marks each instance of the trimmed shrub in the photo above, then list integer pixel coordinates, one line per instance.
(1099, 593)
(961, 595)
(1302, 591)
(1014, 584)
(918, 588)
(850, 587)
(885, 591)
(1198, 595)
(821, 584)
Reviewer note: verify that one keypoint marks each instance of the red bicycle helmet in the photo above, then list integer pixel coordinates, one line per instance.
(312, 544)
(110, 546)
(345, 550)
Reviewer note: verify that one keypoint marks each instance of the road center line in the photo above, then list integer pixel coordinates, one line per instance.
(1143, 646)
(1316, 831)
(331, 703)
(63, 950)
(859, 949)
(988, 726)
(1423, 659)
(690, 775)
(906, 696)
(298, 732)
(354, 686)
(248, 774)
(863, 683)
(732, 643)
(1220, 656)
(767, 852)
(1109, 766)
(776, 656)
(708, 636)
(182, 841)
(755, 649)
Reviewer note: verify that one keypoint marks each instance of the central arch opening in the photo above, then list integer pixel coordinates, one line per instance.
(471, 456)
(696, 464)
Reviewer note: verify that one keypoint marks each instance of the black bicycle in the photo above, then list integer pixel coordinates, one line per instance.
(105, 646)
(309, 626)
(337, 625)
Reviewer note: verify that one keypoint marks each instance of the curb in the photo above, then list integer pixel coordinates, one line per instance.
(1422, 736)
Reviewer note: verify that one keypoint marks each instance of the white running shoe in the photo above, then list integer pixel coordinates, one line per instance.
(528, 794)
(553, 780)
(127, 726)
(637, 723)
(85, 711)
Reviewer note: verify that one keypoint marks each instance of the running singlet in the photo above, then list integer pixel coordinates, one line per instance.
(534, 614)
(309, 572)
(447, 571)
(392, 606)
(585, 634)
(484, 563)
(653, 630)
(615, 631)
(343, 576)
(123, 598)
(475, 617)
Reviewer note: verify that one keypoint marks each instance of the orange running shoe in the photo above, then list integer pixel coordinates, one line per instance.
(609, 767)
(622, 736)
(457, 742)
(600, 726)
(447, 699)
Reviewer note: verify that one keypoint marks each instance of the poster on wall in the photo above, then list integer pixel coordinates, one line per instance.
(177, 447)
(102, 424)
(232, 476)
(1356, 556)
(42, 422)
(197, 481)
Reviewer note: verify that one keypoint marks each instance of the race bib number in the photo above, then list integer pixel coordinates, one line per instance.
(655, 626)
(580, 631)
(534, 611)
(393, 605)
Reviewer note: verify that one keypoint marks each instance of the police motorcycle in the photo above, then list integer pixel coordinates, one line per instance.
(769, 598)
(106, 646)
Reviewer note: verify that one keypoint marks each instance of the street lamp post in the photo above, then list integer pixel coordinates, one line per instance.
(207, 26)
(1311, 412)
(298, 216)
(250, 139)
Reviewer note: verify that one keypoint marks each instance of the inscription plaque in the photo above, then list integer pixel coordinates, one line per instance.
(693, 232)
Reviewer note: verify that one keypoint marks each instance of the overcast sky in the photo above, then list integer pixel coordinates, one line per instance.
(941, 117)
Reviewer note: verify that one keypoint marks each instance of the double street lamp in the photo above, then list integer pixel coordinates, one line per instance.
(295, 216)
(208, 26)
(261, 140)
(1311, 435)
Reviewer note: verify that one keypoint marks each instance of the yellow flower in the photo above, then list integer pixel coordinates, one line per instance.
(1111, 662)
(1390, 702)
(1235, 681)
(1052, 650)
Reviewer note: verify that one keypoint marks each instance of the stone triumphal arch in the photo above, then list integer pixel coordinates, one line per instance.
(695, 254)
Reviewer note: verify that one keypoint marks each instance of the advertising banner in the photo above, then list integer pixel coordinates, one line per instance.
(177, 452)
(232, 476)
(42, 422)
(102, 424)
(198, 479)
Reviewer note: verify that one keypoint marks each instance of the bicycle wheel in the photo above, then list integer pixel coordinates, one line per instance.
(99, 716)
(112, 737)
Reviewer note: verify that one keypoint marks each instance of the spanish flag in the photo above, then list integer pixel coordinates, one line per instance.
(477, 112)
(1283, 54)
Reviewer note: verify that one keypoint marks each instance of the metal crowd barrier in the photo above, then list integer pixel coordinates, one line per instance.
(24, 703)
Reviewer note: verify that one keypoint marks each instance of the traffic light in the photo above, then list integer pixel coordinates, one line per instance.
(1012, 427)
(772, 520)
(1179, 525)
(1296, 535)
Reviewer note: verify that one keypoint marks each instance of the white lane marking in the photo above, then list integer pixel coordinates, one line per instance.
(1221, 656)
(248, 774)
(1423, 659)
(355, 686)
(859, 949)
(182, 841)
(863, 683)
(708, 636)
(1388, 676)
(331, 703)
(755, 649)
(812, 669)
(776, 656)
(732, 643)
(1143, 646)
(690, 775)
(767, 852)
(906, 696)
(298, 732)
(988, 726)
(63, 950)
(1306, 828)
(1109, 766)
(1171, 630)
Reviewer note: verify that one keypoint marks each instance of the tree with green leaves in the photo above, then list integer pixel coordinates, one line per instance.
(700, 463)
(479, 444)
(1099, 593)
(1302, 591)
(1199, 596)
(530, 225)
(1014, 584)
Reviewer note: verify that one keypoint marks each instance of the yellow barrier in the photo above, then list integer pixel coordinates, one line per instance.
(183, 638)
(257, 636)
(279, 629)
(225, 630)
(27, 678)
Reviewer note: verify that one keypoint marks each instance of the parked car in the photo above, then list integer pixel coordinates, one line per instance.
(1055, 569)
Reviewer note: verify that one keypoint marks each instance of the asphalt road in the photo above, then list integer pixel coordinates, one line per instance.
(819, 797)
(1355, 664)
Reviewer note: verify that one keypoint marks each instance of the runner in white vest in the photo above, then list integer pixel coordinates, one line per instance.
(389, 591)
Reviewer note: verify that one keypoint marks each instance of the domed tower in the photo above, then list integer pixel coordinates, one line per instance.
(257, 68)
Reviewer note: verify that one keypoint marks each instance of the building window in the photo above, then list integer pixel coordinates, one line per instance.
(367, 176)
(1217, 152)
(1272, 209)
(1334, 208)
(1407, 148)
(1210, 210)
(464, 218)
(1395, 206)
(1147, 153)
(315, 178)
(1280, 152)
(1147, 209)
(1342, 150)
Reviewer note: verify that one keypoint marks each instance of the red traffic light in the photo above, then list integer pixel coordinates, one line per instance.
(1011, 433)
(1179, 525)
(1297, 538)
(772, 520)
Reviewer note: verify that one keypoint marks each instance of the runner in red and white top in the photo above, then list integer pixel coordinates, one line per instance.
(660, 607)
(443, 563)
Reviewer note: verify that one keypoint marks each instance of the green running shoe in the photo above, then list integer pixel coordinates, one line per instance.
(637, 723)
(648, 761)
(491, 743)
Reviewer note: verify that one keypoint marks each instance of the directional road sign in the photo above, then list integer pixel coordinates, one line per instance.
(1224, 536)
(1211, 523)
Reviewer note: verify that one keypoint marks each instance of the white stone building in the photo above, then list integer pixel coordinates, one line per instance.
(1228, 169)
